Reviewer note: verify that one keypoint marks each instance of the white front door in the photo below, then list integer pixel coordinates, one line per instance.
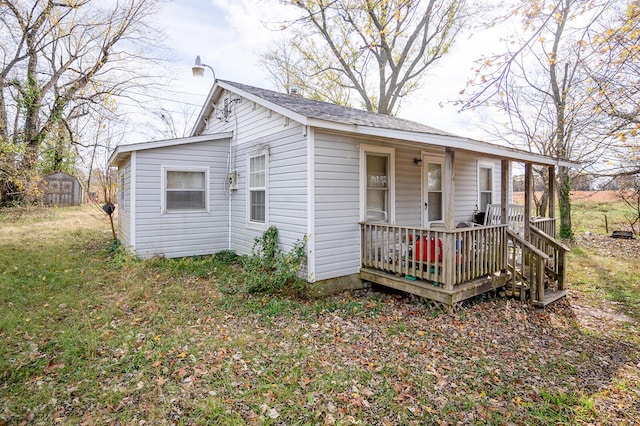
(432, 195)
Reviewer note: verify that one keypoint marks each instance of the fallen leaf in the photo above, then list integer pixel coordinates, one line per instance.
(53, 366)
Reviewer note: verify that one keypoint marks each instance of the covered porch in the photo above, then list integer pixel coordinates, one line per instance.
(452, 262)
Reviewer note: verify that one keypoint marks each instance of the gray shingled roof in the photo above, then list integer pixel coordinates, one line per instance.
(336, 113)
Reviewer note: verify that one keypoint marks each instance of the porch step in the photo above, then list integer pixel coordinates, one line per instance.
(550, 296)
(515, 292)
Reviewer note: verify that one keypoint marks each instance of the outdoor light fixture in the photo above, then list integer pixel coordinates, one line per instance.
(198, 68)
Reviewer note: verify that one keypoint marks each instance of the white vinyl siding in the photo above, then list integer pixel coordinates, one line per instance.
(466, 196)
(247, 120)
(286, 180)
(181, 233)
(337, 205)
(408, 186)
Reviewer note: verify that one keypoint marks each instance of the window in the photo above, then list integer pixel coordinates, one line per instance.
(377, 184)
(123, 195)
(485, 186)
(186, 189)
(258, 189)
(434, 192)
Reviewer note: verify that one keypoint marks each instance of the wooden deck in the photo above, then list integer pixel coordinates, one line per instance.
(451, 266)
(447, 297)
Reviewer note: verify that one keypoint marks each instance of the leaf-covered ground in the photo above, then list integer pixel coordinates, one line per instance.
(93, 337)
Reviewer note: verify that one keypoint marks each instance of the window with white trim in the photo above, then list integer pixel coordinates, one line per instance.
(123, 194)
(377, 184)
(435, 195)
(186, 189)
(257, 203)
(485, 186)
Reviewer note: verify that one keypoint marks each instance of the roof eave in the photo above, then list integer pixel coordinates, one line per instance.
(122, 152)
(206, 109)
(302, 119)
(467, 144)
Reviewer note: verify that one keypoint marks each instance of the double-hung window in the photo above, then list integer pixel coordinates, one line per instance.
(257, 202)
(485, 186)
(186, 189)
(377, 188)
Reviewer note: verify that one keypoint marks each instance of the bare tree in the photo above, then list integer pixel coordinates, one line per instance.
(377, 48)
(543, 87)
(62, 60)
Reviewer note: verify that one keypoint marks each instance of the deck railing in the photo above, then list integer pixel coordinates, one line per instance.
(527, 265)
(445, 258)
(545, 224)
(557, 252)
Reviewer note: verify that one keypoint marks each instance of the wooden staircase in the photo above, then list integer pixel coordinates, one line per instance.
(538, 268)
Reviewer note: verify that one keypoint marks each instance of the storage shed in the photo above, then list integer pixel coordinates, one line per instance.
(62, 189)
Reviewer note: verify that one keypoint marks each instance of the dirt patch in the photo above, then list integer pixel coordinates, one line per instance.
(610, 247)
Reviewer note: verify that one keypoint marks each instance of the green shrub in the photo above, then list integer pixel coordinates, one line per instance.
(226, 257)
(269, 269)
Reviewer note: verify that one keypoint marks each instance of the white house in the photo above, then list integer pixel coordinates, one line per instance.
(366, 189)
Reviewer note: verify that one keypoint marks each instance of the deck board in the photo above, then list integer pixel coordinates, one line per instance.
(550, 297)
(429, 291)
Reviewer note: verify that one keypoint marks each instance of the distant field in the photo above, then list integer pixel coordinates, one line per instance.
(598, 212)
(594, 196)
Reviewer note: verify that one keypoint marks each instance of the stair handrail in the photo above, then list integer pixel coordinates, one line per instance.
(541, 259)
(559, 245)
(561, 261)
(528, 245)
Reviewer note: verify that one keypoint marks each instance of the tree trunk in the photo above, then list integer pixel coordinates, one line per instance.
(564, 203)
(544, 201)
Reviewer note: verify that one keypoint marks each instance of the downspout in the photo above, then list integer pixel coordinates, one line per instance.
(228, 184)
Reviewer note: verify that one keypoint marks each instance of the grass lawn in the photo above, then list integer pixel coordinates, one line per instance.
(92, 336)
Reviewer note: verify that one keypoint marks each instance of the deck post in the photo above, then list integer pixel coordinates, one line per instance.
(552, 193)
(448, 246)
(505, 177)
(540, 280)
(528, 196)
(449, 189)
(504, 190)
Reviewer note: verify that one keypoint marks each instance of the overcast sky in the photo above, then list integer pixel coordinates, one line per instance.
(228, 34)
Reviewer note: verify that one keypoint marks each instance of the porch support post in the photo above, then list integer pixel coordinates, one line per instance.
(504, 190)
(552, 192)
(448, 246)
(505, 179)
(449, 189)
(528, 195)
